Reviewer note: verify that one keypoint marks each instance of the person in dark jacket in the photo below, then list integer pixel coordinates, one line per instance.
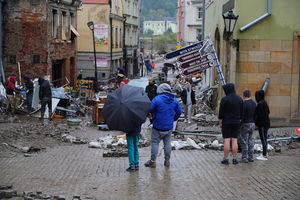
(188, 99)
(29, 92)
(262, 121)
(45, 96)
(164, 110)
(247, 127)
(151, 89)
(230, 115)
(10, 93)
(133, 150)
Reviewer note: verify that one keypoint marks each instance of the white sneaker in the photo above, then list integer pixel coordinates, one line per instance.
(261, 157)
(185, 121)
(189, 121)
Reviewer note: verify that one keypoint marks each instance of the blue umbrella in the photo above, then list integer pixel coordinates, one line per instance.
(126, 108)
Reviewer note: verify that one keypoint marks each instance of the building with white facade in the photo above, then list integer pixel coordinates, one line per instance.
(131, 12)
(159, 27)
(190, 21)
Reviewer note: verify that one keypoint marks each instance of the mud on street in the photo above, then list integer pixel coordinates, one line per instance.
(39, 160)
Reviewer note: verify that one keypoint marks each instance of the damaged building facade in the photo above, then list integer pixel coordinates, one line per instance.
(41, 36)
(265, 44)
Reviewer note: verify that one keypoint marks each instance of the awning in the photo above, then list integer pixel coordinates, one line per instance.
(74, 31)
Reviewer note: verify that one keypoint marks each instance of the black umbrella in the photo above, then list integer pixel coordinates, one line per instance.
(126, 108)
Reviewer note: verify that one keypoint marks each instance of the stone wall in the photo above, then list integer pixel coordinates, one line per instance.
(261, 59)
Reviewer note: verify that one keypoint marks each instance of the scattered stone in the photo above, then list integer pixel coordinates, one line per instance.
(277, 149)
(27, 155)
(5, 187)
(61, 197)
(6, 194)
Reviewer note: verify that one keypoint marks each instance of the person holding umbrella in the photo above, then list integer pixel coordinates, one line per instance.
(164, 110)
(126, 109)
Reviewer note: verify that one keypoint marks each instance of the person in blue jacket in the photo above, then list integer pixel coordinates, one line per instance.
(164, 110)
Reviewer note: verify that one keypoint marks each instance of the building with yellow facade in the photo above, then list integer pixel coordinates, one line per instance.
(265, 44)
(107, 16)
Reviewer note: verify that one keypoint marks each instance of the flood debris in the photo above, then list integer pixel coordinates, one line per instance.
(111, 142)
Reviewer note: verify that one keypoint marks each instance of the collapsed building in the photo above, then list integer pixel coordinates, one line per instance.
(40, 39)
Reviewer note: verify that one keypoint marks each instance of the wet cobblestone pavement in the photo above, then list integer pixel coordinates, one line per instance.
(194, 174)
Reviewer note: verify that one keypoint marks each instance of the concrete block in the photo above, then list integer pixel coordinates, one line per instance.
(281, 56)
(242, 56)
(249, 45)
(6, 194)
(270, 45)
(259, 56)
(286, 45)
(285, 90)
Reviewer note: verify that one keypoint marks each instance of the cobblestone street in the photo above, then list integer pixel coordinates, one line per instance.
(195, 174)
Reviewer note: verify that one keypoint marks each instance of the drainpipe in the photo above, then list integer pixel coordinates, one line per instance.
(111, 37)
(269, 11)
(2, 75)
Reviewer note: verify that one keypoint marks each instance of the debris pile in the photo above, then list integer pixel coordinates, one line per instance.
(193, 144)
(116, 145)
(7, 192)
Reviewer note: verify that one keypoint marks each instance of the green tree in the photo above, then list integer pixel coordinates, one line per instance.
(168, 32)
(149, 32)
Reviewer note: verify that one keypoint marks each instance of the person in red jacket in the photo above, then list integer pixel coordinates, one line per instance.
(10, 93)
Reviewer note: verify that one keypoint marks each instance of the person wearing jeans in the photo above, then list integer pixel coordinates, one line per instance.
(247, 127)
(164, 110)
(133, 150)
(262, 121)
(156, 137)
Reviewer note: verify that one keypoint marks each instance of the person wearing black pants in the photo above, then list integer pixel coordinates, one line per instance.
(262, 121)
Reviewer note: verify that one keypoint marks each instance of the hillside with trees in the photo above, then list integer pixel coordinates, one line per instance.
(158, 9)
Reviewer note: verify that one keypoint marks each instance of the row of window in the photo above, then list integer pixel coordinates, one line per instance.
(117, 40)
(35, 59)
(61, 21)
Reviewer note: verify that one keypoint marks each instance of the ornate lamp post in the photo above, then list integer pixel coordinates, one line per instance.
(90, 24)
(229, 22)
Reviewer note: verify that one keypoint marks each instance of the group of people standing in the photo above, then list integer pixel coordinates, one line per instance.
(238, 118)
(45, 95)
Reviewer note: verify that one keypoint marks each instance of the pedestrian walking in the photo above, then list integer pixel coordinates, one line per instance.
(230, 115)
(165, 70)
(10, 94)
(151, 89)
(262, 121)
(29, 92)
(164, 110)
(188, 99)
(247, 127)
(45, 96)
(133, 150)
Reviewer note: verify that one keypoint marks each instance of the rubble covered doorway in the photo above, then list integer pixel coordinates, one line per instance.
(57, 67)
(73, 71)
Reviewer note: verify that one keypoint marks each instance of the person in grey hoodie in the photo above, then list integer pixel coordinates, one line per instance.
(164, 110)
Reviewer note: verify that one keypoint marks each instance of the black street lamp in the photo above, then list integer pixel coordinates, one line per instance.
(229, 22)
(90, 24)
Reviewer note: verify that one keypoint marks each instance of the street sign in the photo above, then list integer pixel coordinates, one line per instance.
(197, 65)
(184, 50)
(192, 55)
